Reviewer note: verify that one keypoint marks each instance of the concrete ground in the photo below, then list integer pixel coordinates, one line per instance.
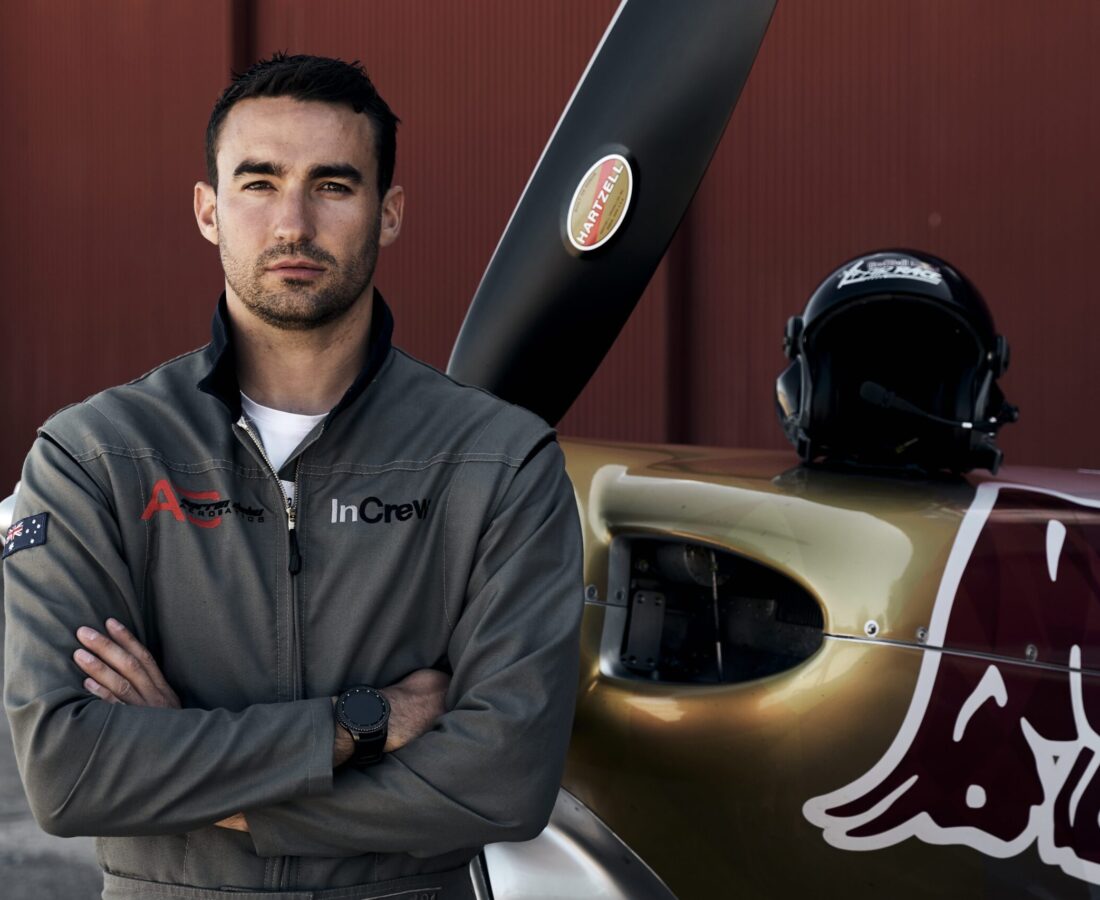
(34, 865)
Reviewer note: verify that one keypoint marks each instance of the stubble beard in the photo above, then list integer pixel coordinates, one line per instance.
(299, 305)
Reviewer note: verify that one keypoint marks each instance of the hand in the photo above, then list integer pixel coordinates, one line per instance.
(236, 822)
(120, 669)
(123, 670)
(416, 701)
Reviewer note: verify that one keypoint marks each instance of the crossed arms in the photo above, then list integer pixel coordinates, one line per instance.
(486, 771)
(120, 669)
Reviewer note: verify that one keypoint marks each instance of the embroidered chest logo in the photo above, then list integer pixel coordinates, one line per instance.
(203, 508)
(374, 510)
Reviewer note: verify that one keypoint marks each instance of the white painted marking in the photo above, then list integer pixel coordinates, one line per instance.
(992, 686)
(1056, 537)
(975, 796)
(1066, 858)
(878, 809)
(1054, 760)
(1079, 790)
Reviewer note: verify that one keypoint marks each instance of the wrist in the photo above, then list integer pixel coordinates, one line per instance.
(362, 716)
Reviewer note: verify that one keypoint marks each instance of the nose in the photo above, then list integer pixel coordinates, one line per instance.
(294, 217)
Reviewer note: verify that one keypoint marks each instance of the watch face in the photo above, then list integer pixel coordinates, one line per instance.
(364, 708)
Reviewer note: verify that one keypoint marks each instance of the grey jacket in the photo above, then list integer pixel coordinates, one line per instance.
(434, 526)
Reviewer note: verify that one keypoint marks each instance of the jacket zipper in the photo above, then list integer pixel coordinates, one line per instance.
(294, 559)
(294, 566)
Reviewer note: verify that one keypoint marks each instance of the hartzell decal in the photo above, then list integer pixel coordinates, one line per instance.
(599, 203)
(999, 750)
(902, 267)
(374, 510)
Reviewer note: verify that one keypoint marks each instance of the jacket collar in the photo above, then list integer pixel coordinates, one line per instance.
(220, 380)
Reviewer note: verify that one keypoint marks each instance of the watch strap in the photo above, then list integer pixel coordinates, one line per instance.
(368, 749)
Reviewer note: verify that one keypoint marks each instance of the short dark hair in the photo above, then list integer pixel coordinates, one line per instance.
(310, 78)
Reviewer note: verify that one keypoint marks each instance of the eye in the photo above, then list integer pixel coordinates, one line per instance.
(257, 185)
(334, 187)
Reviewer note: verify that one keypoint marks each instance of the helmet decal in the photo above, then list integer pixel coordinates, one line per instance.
(902, 267)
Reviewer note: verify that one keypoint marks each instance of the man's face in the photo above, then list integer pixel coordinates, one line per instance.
(297, 217)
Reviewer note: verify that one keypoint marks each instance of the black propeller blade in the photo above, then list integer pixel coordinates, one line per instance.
(606, 197)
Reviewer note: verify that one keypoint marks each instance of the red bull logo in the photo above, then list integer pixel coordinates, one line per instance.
(998, 750)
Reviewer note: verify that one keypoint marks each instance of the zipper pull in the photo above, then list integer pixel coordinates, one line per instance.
(295, 564)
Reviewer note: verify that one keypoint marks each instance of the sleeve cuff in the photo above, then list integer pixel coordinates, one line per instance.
(263, 828)
(319, 774)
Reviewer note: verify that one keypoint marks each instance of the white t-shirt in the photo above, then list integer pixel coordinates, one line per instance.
(280, 432)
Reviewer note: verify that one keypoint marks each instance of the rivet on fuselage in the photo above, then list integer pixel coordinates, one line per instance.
(871, 628)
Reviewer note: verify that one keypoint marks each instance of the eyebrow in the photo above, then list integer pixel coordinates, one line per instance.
(336, 170)
(321, 170)
(256, 167)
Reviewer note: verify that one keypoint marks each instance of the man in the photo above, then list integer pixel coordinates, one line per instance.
(216, 567)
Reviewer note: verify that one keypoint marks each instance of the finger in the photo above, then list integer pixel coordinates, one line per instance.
(122, 662)
(107, 678)
(100, 691)
(141, 653)
(237, 822)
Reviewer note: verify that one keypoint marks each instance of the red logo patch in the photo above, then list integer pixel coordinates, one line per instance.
(163, 499)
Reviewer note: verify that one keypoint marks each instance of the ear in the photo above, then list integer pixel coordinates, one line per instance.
(393, 211)
(206, 211)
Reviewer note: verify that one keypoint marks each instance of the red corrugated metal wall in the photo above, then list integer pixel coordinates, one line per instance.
(967, 129)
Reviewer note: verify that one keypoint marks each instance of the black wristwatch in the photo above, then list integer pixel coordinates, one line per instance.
(364, 712)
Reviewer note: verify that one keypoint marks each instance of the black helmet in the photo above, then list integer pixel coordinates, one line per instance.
(894, 363)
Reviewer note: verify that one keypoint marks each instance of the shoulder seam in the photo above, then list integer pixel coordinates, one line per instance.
(207, 465)
(415, 465)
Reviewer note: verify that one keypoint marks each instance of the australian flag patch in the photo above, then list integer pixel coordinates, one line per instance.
(28, 532)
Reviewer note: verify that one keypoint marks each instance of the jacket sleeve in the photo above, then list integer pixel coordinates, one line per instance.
(91, 767)
(490, 768)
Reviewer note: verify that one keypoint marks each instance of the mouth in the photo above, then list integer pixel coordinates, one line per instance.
(303, 269)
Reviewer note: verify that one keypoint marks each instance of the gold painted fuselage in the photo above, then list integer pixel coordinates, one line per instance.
(886, 763)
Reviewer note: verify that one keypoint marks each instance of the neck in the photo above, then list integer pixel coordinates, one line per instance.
(305, 372)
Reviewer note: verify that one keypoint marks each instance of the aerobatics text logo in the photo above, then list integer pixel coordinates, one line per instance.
(203, 508)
